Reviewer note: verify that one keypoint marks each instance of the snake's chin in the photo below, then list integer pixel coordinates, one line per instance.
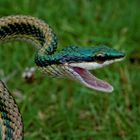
(86, 78)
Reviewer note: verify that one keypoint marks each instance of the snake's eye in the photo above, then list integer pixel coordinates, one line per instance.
(100, 58)
(100, 55)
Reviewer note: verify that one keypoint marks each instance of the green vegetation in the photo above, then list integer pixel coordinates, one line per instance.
(60, 109)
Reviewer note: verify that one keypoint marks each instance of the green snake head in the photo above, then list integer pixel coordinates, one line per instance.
(75, 62)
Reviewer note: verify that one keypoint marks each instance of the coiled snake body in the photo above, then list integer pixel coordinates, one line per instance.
(72, 61)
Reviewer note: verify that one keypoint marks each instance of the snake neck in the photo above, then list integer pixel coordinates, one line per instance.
(29, 29)
(38, 33)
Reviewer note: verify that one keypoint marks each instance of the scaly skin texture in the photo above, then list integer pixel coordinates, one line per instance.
(50, 61)
(11, 126)
(38, 33)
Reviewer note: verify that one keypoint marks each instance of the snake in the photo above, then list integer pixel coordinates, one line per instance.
(73, 61)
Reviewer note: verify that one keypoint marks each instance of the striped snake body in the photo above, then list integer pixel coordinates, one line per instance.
(72, 61)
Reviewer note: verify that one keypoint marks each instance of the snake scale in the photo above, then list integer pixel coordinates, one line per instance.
(73, 62)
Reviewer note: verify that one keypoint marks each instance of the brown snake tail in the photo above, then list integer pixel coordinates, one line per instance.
(11, 126)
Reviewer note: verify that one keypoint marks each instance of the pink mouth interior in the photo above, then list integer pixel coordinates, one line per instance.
(91, 81)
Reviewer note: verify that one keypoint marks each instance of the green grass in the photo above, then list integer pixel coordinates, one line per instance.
(60, 109)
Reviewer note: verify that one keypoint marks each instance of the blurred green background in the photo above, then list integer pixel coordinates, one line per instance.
(60, 109)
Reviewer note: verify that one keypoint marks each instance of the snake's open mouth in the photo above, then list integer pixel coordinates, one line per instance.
(81, 73)
(85, 77)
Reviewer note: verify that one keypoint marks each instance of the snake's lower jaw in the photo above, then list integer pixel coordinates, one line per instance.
(87, 79)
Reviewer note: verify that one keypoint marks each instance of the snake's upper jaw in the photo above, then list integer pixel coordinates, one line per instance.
(87, 79)
(81, 73)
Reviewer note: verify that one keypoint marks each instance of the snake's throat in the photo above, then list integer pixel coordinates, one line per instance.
(91, 81)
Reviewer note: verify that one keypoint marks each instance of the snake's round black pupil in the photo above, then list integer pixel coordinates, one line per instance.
(100, 58)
